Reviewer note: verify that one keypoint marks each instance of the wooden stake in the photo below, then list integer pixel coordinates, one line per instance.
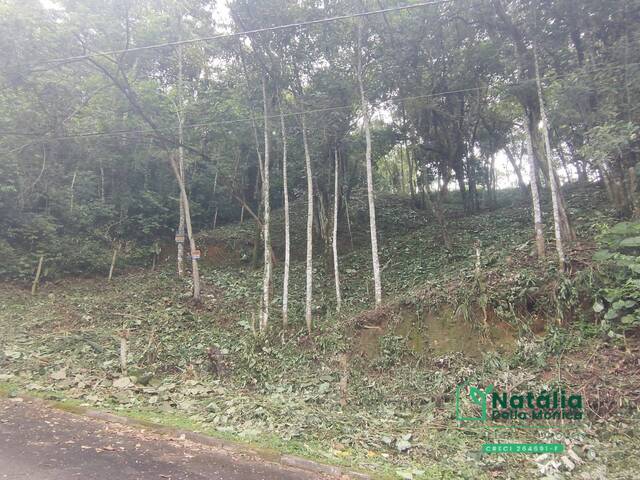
(34, 287)
(113, 261)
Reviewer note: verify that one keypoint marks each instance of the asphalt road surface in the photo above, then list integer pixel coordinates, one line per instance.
(38, 442)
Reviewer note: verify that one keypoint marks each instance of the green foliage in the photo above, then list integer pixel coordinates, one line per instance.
(566, 296)
(618, 301)
(393, 348)
(608, 140)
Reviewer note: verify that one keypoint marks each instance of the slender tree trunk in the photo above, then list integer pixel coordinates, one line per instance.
(309, 266)
(334, 241)
(259, 182)
(266, 281)
(535, 197)
(73, 183)
(192, 244)
(377, 284)
(181, 221)
(553, 183)
(287, 237)
(36, 281)
(113, 261)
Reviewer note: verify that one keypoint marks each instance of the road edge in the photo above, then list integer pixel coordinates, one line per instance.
(271, 456)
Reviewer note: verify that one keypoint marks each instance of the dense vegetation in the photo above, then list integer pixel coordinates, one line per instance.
(395, 415)
(86, 141)
(376, 207)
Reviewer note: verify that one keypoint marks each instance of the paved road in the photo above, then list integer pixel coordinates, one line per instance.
(41, 443)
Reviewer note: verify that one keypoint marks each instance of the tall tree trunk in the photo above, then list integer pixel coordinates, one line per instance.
(181, 221)
(559, 228)
(266, 281)
(377, 284)
(309, 263)
(535, 197)
(259, 181)
(192, 243)
(334, 240)
(287, 236)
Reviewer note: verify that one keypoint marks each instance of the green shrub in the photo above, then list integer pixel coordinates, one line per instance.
(618, 261)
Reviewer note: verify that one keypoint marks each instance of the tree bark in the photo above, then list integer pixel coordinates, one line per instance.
(334, 240)
(287, 236)
(377, 284)
(181, 221)
(553, 181)
(309, 263)
(266, 280)
(192, 244)
(535, 198)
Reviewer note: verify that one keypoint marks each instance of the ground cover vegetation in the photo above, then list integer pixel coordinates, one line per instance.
(353, 247)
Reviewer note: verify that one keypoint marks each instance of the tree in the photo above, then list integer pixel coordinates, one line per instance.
(308, 302)
(559, 215)
(180, 114)
(377, 283)
(195, 274)
(266, 223)
(535, 197)
(334, 240)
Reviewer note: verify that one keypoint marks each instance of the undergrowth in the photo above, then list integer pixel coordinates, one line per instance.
(512, 321)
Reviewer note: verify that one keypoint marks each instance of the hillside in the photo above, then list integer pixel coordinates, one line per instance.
(373, 389)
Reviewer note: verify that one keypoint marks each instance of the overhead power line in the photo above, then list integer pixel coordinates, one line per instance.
(243, 33)
(114, 133)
